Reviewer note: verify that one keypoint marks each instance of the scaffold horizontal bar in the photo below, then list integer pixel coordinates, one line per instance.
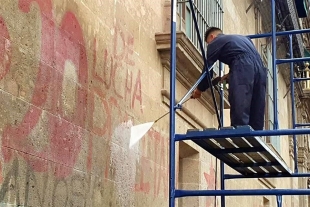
(282, 61)
(300, 79)
(243, 192)
(255, 36)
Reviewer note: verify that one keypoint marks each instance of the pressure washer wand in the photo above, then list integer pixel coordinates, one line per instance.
(183, 100)
(169, 111)
(162, 117)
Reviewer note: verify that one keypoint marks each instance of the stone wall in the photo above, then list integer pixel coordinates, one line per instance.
(75, 75)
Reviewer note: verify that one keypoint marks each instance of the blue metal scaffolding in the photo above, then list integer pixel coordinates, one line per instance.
(248, 141)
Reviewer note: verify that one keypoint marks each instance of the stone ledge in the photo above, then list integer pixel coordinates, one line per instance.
(189, 65)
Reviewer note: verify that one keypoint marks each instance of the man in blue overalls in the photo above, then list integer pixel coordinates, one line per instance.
(247, 76)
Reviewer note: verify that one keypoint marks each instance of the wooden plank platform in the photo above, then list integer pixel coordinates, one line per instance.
(247, 155)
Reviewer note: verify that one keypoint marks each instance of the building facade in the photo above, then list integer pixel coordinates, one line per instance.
(76, 75)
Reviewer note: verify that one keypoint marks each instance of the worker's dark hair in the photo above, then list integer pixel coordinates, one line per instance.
(210, 30)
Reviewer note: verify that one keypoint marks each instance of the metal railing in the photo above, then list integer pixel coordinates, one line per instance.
(208, 13)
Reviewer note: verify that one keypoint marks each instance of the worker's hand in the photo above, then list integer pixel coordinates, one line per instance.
(225, 78)
(216, 80)
(196, 94)
(219, 79)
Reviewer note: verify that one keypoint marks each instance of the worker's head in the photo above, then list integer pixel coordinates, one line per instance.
(212, 33)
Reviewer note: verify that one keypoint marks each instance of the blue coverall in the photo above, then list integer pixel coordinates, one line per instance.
(247, 78)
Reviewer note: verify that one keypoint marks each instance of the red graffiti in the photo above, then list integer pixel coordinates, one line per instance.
(143, 184)
(123, 47)
(5, 49)
(210, 179)
(1, 175)
(161, 153)
(159, 185)
(116, 85)
(137, 95)
(110, 92)
(113, 115)
(90, 153)
(58, 45)
(118, 64)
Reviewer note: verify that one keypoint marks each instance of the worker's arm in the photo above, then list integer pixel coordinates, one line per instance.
(213, 52)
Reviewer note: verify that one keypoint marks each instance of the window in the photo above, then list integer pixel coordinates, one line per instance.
(269, 117)
(208, 13)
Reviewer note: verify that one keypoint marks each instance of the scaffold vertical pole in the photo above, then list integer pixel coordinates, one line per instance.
(172, 105)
